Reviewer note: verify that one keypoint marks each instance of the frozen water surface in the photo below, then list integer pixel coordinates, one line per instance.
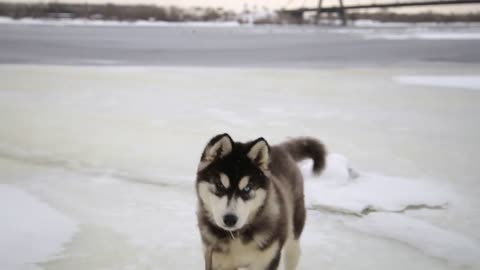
(104, 159)
(30, 229)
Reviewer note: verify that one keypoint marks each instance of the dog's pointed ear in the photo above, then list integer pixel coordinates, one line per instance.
(259, 153)
(218, 147)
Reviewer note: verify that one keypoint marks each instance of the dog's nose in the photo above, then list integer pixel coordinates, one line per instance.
(230, 220)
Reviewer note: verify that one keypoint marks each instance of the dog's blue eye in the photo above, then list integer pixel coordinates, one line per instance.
(247, 189)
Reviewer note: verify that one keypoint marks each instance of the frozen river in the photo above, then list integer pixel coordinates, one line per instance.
(102, 128)
(266, 46)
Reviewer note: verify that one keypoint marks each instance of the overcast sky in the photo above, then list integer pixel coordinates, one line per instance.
(271, 4)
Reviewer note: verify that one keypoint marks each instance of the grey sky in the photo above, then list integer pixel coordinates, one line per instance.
(271, 4)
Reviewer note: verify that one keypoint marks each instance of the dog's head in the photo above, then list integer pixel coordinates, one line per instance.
(231, 180)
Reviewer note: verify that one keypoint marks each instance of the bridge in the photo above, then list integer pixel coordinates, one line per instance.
(297, 14)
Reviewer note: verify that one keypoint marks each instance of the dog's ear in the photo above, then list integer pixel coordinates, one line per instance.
(259, 153)
(218, 147)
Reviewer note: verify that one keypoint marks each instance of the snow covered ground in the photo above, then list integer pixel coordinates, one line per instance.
(405, 31)
(31, 230)
(462, 81)
(97, 164)
(110, 23)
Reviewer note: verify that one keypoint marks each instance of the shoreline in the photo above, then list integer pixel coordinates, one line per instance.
(151, 23)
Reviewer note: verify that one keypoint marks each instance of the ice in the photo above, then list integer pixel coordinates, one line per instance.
(457, 249)
(471, 82)
(31, 230)
(115, 149)
(381, 203)
(342, 189)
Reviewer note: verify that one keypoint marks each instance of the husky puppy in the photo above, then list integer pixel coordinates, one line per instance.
(251, 209)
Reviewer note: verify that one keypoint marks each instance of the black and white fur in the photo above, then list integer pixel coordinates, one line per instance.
(251, 209)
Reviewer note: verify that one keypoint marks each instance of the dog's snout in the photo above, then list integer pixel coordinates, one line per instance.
(230, 220)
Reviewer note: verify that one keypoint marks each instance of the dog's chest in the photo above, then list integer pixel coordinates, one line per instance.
(244, 255)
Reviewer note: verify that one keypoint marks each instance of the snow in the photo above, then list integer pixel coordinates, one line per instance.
(427, 36)
(457, 249)
(115, 149)
(470, 82)
(31, 231)
(381, 203)
(337, 191)
(92, 22)
(366, 28)
(372, 23)
(409, 31)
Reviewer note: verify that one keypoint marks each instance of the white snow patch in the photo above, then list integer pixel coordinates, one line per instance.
(379, 202)
(338, 169)
(371, 23)
(427, 36)
(30, 230)
(341, 189)
(88, 22)
(407, 31)
(471, 82)
(456, 248)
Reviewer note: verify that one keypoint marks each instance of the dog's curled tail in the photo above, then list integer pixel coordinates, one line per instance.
(307, 147)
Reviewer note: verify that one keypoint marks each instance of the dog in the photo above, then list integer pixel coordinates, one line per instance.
(251, 209)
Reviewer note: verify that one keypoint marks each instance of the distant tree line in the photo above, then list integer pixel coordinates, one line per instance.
(113, 12)
(57, 10)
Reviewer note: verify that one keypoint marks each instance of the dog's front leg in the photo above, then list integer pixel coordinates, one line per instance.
(275, 262)
(208, 254)
(268, 264)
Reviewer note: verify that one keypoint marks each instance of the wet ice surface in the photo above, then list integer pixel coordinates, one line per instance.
(114, 150)
(80, 43)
